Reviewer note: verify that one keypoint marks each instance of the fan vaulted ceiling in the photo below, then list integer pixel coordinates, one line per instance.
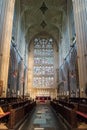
(43, 16)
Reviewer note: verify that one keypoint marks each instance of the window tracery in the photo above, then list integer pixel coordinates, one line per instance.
(43, 71)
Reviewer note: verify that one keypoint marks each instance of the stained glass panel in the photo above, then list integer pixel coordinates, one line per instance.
(43, 72)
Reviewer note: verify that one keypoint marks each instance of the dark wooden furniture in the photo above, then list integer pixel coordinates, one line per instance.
(82, 112)
(74, 111)
(15, 111)
(67, 113)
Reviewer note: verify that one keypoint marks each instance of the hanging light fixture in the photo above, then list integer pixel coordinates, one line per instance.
(43, 24)
(43, 8)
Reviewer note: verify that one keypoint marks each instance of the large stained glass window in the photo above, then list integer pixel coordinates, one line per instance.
(43, 72)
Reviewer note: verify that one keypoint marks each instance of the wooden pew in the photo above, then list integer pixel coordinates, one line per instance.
(67, 114)
(72, 112)
(82, 112)
(18, 114)
(15, 110)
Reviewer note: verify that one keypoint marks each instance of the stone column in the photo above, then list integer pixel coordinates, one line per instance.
(5, 40)
(80, 18)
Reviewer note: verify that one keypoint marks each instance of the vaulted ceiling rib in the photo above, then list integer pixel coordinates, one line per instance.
(35, 19)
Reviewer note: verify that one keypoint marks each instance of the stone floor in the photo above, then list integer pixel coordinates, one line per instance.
(43, 119)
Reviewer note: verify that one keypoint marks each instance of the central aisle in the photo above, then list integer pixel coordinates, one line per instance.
(43, 119)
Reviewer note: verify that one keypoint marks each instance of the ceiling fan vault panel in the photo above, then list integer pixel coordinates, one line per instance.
(43, 15)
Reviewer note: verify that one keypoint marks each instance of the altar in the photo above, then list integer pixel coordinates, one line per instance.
(43, 99)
